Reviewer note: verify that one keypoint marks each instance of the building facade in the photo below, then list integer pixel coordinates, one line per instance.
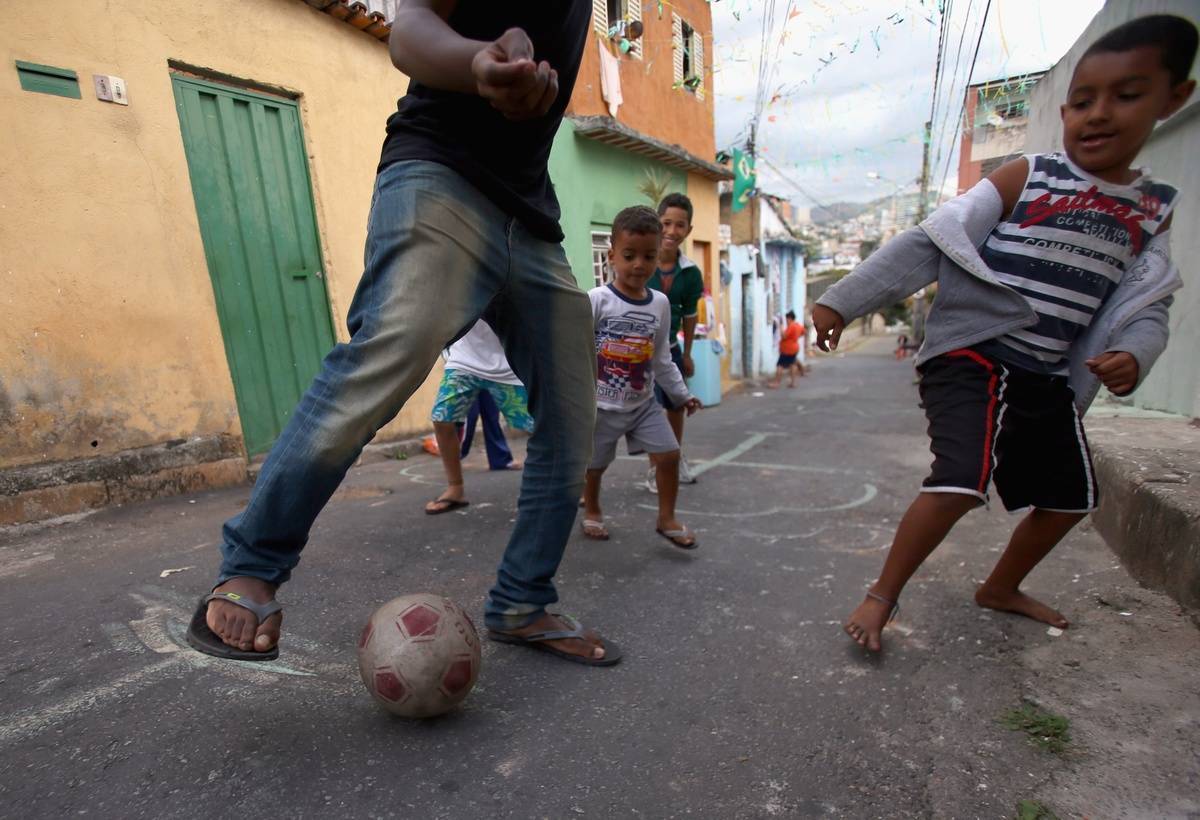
(996, 114)
(765, 262)
(1174, 384)
(640, 125)
(178, 260)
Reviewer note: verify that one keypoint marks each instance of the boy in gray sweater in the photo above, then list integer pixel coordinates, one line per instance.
(1054, 276)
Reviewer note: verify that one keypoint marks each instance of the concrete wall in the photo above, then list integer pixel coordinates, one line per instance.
(1174, 385)
(110, 338)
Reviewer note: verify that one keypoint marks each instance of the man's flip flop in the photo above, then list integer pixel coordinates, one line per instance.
(450, 504)
(594, 530)
(674, 535)
(537, 640)
(203, 639)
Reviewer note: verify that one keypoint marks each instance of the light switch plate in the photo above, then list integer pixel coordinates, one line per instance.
(103, 87)
(118, 90)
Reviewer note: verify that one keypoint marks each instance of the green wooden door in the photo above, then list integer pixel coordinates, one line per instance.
(246, 159)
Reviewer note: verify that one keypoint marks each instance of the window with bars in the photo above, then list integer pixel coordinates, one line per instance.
(600, 271)
(689, 56)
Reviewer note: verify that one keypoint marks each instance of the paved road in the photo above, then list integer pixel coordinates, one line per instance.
(739, 696)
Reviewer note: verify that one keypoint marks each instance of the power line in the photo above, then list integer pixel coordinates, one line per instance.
(926, 147)
(788, 179)
(963, 109)
(941, 130)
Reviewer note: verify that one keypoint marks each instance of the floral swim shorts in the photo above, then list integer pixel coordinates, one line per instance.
(458, 392)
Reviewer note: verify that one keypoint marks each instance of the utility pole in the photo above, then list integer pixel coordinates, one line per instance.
(924, 173)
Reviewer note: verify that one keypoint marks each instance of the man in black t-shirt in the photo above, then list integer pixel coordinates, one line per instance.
(463, 224)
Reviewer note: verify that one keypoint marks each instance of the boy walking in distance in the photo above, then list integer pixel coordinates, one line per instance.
(632, 323)
(1069, 289)
(681, 280)
(789, 352)
(463, 224)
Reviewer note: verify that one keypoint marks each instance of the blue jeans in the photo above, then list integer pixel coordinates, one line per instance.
(484, 409)
(439, 255)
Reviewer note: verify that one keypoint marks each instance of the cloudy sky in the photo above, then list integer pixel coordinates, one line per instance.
(853, 82)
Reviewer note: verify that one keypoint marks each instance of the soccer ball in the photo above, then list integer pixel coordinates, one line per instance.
(419, 655)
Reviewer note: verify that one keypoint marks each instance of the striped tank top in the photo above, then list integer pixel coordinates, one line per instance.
(1065, 247)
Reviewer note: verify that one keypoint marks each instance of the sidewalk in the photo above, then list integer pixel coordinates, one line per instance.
(1148, 466)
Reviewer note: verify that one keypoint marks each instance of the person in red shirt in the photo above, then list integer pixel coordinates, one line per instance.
(789, 352)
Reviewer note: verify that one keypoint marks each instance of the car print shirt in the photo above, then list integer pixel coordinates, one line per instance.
(633, 348)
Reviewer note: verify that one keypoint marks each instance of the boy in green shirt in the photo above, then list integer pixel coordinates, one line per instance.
(680, 279)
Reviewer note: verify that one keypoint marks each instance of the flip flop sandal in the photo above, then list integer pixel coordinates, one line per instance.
(450, 504)
(672, 535)
(203, 639)
(612, 652)
(594, 530)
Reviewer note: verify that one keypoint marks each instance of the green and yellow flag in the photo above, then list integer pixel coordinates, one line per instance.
(744, 179)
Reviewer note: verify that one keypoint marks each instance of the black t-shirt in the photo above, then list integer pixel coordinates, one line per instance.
(506, 160)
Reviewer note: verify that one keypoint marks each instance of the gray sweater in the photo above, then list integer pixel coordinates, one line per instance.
(972, 306)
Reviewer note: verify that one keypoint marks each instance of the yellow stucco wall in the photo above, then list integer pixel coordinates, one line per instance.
(108, 326)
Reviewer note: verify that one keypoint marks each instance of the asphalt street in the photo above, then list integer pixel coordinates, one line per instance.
(739, 696)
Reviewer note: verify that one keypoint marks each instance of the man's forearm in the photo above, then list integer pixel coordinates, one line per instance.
(424, 47)
(689, 334)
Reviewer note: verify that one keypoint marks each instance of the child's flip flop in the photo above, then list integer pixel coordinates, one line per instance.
(446, 505)
(674, 537)
(594, 530)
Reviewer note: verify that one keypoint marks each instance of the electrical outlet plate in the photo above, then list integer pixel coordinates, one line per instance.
(110, 89)
(118, 91)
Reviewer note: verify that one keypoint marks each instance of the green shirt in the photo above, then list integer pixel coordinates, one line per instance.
(686, 289)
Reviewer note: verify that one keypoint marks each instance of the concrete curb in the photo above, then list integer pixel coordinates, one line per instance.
(1149, 475)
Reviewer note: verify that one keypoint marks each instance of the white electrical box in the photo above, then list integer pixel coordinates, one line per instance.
(110, 89)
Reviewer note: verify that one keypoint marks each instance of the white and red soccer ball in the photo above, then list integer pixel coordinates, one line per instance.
(419, 655)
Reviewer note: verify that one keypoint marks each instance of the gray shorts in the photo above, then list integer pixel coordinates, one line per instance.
(646, 430)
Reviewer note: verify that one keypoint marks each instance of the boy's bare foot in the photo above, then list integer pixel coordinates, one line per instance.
(865, 624)
(236, 625)
(1018, 602)
(590, 646)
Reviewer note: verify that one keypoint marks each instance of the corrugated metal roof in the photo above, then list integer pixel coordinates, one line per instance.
(371, 16)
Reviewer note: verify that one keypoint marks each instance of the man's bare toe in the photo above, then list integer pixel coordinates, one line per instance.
(267, 635)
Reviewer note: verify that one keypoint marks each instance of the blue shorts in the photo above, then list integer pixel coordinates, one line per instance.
(659, 393)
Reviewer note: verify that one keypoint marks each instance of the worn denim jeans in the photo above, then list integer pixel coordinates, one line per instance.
(438, 256)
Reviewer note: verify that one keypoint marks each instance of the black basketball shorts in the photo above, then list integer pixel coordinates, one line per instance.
(994, 423)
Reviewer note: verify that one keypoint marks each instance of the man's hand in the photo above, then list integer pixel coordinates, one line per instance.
(508, 78)
(689, 367)
(829, 325)
(1117, 369)
(693, 404)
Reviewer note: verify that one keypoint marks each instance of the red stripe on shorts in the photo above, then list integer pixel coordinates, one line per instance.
(993, 399)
